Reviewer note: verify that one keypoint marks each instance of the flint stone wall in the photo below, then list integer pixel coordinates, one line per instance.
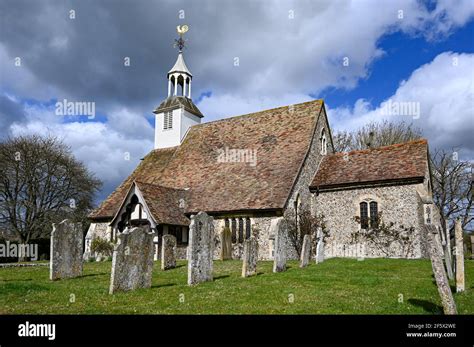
(132, 262)
(66, 250)
(398, 204)
(265, 239)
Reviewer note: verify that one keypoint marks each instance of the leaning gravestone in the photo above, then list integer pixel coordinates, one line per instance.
(226, 244)
(460, 283)
(472, 246)
(305, 251)
(447, 254)
(435, 249)
(200, 249)
(250, 257)
(66, 250)
(168, 252)
(320, 247)
(132, 262)
(278, 228)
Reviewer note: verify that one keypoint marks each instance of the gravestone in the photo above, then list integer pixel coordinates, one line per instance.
(472, 246)
(305, 251)
(448, 254)
(278, 228)
(320, 246)
(132, 261)
(168, 252)
(460, 283)
(200, 249)
(66, 250)
(226, 244)
(250, 257)
(436, 256)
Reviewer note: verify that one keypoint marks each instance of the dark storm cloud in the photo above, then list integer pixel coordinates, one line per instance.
(83, 58)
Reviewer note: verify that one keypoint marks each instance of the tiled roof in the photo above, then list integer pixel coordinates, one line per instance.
(280, 138)
(389, 163)
(148, 171)
(164, 203)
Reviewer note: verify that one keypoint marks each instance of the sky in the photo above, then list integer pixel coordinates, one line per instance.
(362, 57)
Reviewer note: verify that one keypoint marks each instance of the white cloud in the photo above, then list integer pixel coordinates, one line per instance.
(282, 61)
(228, 105)
(444, 89)
(103, 149)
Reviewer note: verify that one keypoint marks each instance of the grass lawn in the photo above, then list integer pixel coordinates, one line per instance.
(337, 286)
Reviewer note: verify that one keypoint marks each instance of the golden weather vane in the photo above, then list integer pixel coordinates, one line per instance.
(180, 43)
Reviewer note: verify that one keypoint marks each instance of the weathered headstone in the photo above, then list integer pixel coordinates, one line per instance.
(168, 252)
(435, 249)
(448, 256)
(66, 250)
(226, 244)
(250, 257)
(460, 285)
(200, 249)
(278, 228)
(88, 242)
(472, 246)
(319, 246)
(305, 251)
(132, 262)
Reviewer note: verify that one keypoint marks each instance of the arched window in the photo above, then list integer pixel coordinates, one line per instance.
(297, 205)
(324, 144)
(369, 214)
(364, 215)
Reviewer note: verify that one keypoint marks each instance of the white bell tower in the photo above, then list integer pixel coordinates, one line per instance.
(177, 113)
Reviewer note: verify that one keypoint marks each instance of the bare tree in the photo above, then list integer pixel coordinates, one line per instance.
(303, 224)
(453, 187)
(41, 183)
(375, 134)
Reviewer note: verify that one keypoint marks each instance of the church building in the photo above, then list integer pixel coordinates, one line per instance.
(248, 170)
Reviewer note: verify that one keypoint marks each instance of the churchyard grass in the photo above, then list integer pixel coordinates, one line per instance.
(337, 286)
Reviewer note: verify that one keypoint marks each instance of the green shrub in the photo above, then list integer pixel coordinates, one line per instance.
(102, 247)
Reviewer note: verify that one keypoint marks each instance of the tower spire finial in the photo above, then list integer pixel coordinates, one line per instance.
(180, 43)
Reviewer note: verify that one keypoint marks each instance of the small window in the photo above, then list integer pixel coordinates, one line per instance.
(364, 215)
(373, 214)
(248, 230)
(168, 121)
(178, 233)
(234, 230)
(241, 230)
(324, 143)
(184, 236)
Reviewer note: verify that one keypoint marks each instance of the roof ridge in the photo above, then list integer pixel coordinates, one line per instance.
(401, 144)
(158, 185)
(257, 112)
